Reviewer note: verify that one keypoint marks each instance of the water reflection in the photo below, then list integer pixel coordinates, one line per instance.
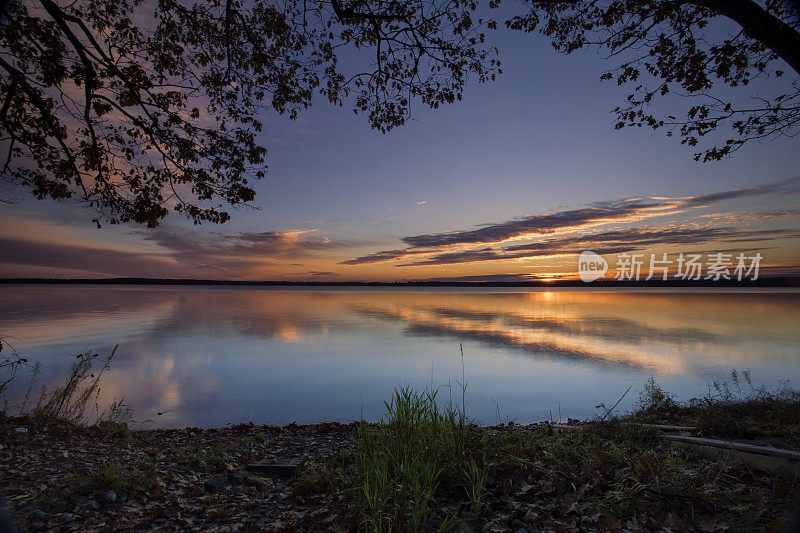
(646, 331)
(210, 356)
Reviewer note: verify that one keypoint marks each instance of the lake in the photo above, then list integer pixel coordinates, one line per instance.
(210, 356)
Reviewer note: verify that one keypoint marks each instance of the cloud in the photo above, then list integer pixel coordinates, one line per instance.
(501, 278)
(487, 255)
(609, 242)
(469, 256)
(179, 253)
(791, 185)
(493, 233)
(379, 257)
(85, 258)
(536, 224)
(753, 216)
(622, 211)
(640, 237)
(240, 249)
(576, 218)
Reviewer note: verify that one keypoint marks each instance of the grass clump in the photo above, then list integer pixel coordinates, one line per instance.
(205, 457)
(733, 408)
(653, 397)
(71, 400)
(76, 400)
(417, 452)
(121, 479)
(738, 409)
(424, 467)
(12, 364)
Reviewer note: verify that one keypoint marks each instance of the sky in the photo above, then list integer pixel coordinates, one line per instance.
(511, 183)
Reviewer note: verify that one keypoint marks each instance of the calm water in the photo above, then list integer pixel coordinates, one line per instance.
(211, 356)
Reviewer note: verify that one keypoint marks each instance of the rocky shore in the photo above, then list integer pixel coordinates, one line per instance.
(607, 477)
(66, 477)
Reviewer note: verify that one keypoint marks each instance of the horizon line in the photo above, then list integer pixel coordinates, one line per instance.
(767, 280)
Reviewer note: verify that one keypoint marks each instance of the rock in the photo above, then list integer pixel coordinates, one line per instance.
(530, 516)
(561, 486)
(66, 518)
(25, 510)
(494, 527)
(239, 489)
(505, 518)
(93, 505)
(517, 525)
(37, 514)
(524, 488)
(110, 496)
(214, 484)
(236, 478)
(272, 468)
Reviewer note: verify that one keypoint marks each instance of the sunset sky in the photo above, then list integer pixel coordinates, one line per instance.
(511, 183)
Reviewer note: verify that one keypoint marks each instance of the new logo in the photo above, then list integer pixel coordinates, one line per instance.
(591, 266)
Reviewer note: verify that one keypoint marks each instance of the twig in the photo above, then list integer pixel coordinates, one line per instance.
(608, 411)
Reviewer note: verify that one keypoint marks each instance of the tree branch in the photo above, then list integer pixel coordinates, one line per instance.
(760, 25)
(757, 23)
(350, 13)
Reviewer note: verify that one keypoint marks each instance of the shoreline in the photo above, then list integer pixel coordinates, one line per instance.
(762, 282)
(620, 473)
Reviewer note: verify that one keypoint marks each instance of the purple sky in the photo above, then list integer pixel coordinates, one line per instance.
(515, 180)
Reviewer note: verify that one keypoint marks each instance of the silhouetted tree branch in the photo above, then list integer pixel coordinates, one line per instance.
(137, 109)
(667, 47)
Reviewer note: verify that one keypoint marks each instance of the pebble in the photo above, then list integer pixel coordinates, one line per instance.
(37, 514)
(66, 518)
(494, 527)
(93, 505)
(518, 524)
(214, 484)
(530, 516)
(110, 496)
(237, 479)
